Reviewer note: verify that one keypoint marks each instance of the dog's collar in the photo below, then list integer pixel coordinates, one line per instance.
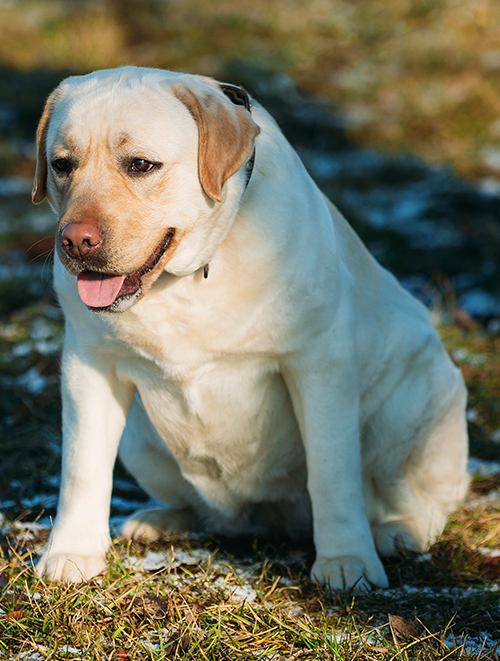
(249, 169)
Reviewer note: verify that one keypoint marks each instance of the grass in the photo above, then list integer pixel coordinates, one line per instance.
(240, 598)
(139, 614)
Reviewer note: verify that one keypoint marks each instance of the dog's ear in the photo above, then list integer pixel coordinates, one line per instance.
(227, 134)
(39, 191)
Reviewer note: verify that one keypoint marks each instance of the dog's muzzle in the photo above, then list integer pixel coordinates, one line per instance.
(103, 292)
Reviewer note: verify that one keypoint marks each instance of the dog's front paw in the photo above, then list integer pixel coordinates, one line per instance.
(349, 572)
(149, 525)
(69, 567)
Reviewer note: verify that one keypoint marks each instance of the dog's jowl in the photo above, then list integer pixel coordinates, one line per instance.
(229, 336)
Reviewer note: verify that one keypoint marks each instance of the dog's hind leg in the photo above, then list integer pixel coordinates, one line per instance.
(146, 457)
(415, 501)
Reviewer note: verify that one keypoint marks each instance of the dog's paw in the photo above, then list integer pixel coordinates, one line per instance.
(390, 538)
(69, 567)
(150, 525)
(349, 572)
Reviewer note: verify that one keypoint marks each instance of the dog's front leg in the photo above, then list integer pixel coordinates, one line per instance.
(95, 407)
(325, 397)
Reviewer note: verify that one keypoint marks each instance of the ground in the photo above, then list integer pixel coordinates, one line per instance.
(384, 100)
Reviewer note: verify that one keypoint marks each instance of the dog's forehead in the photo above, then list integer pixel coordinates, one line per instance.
(119, 110)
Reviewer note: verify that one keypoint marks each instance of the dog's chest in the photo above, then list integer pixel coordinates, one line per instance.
(208, 378)
(226, 416)
(230, 426)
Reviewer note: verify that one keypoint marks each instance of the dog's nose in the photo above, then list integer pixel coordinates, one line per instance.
(81, 240)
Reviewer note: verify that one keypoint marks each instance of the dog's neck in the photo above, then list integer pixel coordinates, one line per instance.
(248, 173)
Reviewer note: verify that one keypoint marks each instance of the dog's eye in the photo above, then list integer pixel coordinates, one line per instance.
(141, 165)
(62, 166)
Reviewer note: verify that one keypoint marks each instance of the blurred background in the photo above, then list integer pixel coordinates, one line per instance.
(394, 106)
(417, 75)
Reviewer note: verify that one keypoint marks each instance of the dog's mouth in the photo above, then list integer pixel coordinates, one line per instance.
(100, 290)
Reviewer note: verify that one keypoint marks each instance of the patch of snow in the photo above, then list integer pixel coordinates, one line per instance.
(53, 481)
(14, 186)
(162, 634)
(34, 526)
(32, 381)
(20, 271)
(322, 165)
(195, 557)
(21, 349)
(425, 557)
(242, 593)
(490, 157)
(409, 214)
(295, 610)
(236, 592)
(471, 414)
(125, 485)
(42, 500)
(154, 560)
(482, 467)
(27, 529)
(151, 561)
(490, 553)
(479, 303)
(55, 446)
(40, 329)
(67, 649)
(471, 645)
(495, 436)
(491, 498)
(125, 505)
(338, 636)
(452, 593)
(42, 222)
(48, 347)
(464, 356)
(357, 115)
(490, 186)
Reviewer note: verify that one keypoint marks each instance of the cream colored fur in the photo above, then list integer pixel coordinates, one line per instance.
(298, 388)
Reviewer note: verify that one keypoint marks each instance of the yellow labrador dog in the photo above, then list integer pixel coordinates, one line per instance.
(231, 338)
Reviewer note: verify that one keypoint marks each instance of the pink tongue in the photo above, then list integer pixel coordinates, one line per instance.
(98, 290)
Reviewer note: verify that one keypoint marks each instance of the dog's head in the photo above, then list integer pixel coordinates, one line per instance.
(138, 165)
